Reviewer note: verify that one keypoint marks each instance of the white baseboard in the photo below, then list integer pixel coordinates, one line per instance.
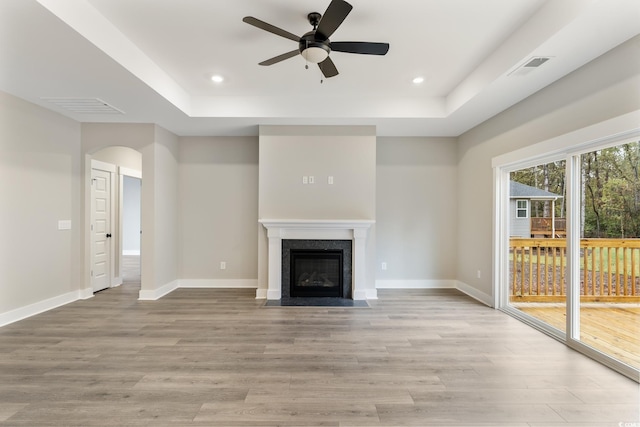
(85, 293)
(215, 283)
(475, 294)
(38, 307)
(360, 295)
(415, 284)
(372, 293)
(437, 284)
(154, 294)
(274, 294)
(261, 293)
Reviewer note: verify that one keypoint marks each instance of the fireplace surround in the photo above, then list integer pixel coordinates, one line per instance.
(284, 229)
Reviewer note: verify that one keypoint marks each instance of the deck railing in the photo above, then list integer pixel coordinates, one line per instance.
(609, 270)
(543, 226)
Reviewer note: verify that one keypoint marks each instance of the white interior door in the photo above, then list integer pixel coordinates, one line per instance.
(100, 229)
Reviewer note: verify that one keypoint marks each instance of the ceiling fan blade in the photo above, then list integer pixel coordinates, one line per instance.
(333, 17)
(279, 58)
(270, 28)
(328, 68)
(366, 48)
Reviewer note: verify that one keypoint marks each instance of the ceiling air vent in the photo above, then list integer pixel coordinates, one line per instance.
(84, 105)
(529, 65)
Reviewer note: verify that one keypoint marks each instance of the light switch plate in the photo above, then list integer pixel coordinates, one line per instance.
(64, 224)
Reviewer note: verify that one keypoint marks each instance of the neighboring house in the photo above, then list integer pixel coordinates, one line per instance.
(521, 223)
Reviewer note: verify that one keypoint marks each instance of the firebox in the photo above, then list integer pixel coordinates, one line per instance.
(316, 268)
(316, 273)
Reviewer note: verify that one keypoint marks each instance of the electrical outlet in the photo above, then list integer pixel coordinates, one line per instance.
(383, 266)
(312, 180)
(330, 180)
(305, 179)
(223, 265)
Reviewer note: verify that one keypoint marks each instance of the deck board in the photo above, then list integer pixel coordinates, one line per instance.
(608, 327)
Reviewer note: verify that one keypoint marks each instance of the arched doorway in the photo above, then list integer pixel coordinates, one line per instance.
(114, 217)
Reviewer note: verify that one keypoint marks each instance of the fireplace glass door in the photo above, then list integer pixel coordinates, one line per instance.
(316, 273)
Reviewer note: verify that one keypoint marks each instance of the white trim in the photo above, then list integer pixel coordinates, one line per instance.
(155, 294)
(526, 209)
(107, 167)
(261, 293)
(474, 293)
(130, 172)
(621, 127)
(568, 147)
(218, 283)
(85, 293)
(372, 294)
(130, 252)
(415, 284)
(437, 284)
(39, 307)
(302, 224)
(322, 229)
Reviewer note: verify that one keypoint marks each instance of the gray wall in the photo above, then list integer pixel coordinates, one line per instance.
(160, 212)
(39, 185)
(416, 228)
(159, 149)
(607, 87)
(41, 158)
(287, 153)
(218, 200)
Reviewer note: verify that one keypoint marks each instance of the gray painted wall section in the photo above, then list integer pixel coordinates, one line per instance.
(606, 88)
(39, 185)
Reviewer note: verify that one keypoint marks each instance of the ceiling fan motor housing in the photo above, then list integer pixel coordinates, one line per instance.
(313, 50)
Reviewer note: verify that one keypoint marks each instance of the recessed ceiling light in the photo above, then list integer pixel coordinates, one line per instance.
(418, 80)
(217, 78)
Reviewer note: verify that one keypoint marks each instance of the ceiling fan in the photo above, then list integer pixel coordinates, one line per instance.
(315, 45)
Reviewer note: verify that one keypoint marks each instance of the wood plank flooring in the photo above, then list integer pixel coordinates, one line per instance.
(612, 328)
(215, 357)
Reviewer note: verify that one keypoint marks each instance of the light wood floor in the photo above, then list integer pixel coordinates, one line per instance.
(608, 327)
(211, 357)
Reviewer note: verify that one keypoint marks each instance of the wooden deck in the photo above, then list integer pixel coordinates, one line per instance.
(613, 329)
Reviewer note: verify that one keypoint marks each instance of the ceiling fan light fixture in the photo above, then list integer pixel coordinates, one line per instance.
(315, 54)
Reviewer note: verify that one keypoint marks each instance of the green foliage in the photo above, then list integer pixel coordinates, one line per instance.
(611, 193)
(610, 190)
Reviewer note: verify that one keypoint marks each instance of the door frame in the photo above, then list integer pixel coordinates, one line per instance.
(569, 146)
(122, 172)
(114, 278)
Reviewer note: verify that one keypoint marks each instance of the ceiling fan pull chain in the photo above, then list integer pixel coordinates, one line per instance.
(306, 65)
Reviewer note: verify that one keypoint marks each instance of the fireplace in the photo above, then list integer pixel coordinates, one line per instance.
(316, 268)
(353, 232)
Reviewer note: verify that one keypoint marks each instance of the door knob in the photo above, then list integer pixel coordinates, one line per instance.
(108, 235)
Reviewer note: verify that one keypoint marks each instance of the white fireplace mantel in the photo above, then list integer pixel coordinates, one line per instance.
(317, 229)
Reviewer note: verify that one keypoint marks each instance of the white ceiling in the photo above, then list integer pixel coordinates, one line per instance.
(153, 59)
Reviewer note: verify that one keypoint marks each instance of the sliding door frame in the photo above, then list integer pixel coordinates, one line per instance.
(568, 147)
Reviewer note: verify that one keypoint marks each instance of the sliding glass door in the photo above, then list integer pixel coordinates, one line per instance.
(610, 252)
(537, 243)
(569, 248)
